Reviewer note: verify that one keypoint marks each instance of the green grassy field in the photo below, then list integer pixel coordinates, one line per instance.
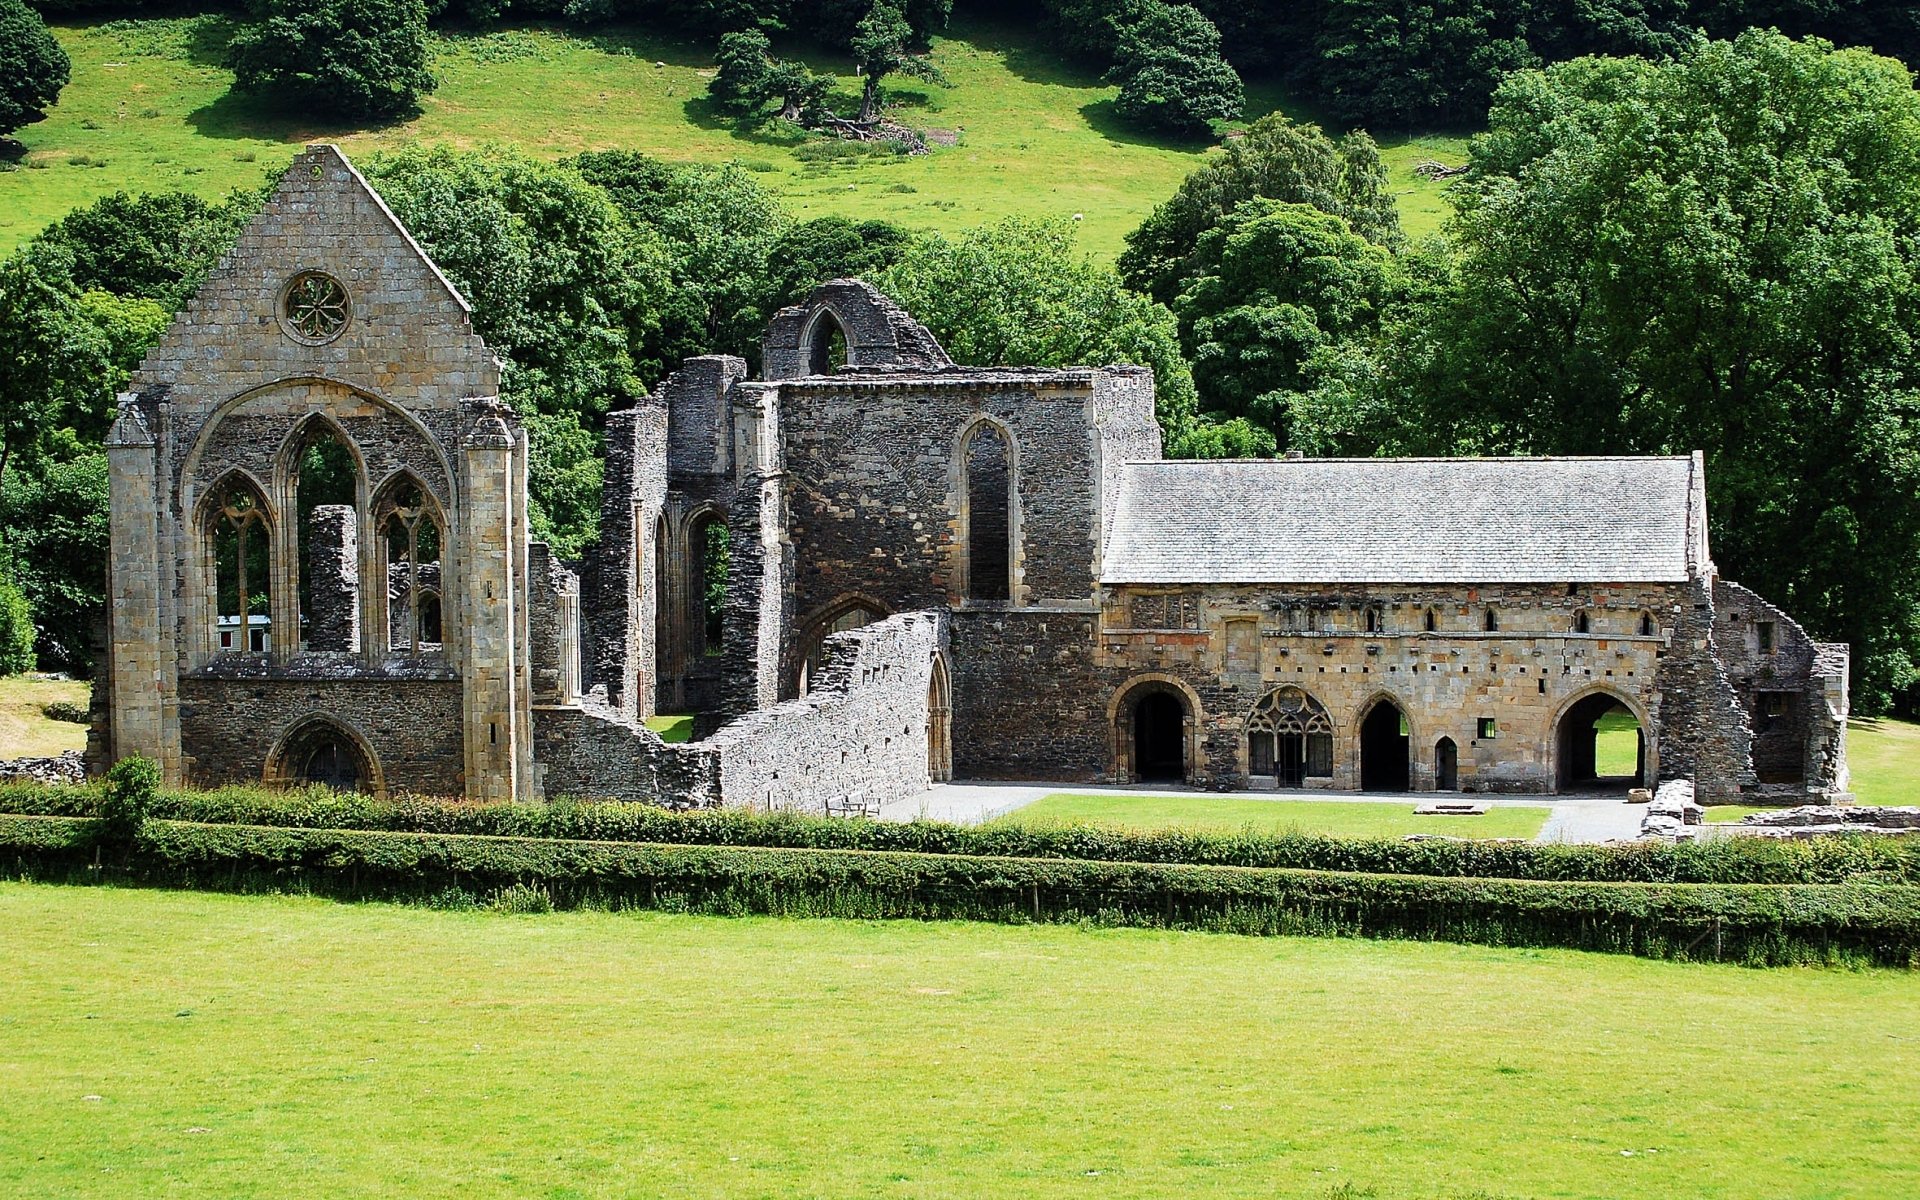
(1616, 744)
(149, 108)
(186, 1044)
(1217, 814)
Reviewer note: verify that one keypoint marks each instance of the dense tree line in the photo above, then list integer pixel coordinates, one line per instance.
(1400, 64)
(1718, 252)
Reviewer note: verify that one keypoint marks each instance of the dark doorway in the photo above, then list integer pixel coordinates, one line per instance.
(1446, 765)
(332, 765)
(1601, 746)
(1383, 749)
(1160, 738)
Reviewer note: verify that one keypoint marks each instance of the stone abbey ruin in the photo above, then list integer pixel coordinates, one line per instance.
(322, 570)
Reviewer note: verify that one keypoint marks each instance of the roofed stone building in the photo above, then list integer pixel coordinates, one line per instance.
(930, 571)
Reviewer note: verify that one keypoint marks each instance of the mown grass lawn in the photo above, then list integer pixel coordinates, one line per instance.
(1222, 815)
(149, 109)
(25, 730)
(677, 728)
(161, 1043)
(1884, 756)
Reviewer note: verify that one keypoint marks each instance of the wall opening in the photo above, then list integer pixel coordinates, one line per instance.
(939, 723)
(989, 515)
(410, 547)
(1384, 749)
(712, 548)
(1601, 746)
(826, 344)
(1446, 765)
(1160, 738)
(240, 542)
(327, 512)
(1289, 739)
(322, 754)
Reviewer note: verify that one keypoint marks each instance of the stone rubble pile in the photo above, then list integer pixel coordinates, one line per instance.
(66, 768)
(1816, 820)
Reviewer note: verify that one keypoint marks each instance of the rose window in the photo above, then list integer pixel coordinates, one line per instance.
(316, 307)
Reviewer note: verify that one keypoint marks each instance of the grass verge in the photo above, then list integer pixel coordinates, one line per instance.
(1333, 818)
(253, 1047)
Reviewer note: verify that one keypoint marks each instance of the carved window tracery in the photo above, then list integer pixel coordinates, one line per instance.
(1289, 738)
(412, 538)
(315, 307)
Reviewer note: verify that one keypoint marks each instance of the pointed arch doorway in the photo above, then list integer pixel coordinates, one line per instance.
(1384, 749)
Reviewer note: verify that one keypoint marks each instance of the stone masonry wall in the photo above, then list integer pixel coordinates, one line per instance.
(859, 735)
(1049, 694)
(1782, 677)
(229, 727)
(1704, 735)
(333, 565)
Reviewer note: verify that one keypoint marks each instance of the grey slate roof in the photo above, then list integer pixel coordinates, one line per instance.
(1402, 520)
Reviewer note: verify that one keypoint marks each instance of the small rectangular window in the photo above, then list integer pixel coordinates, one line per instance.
(1774, 704)
(226, 639)
(1489, 727)
(1763, 630)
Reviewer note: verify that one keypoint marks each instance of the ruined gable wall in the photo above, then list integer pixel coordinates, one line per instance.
(1802, 748)
(409, 335)
(875, 491)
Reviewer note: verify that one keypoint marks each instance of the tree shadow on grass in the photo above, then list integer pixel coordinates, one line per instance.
(703, 113)
(632, 41)
(1103, 118)
(1025, 52)
(237, 116)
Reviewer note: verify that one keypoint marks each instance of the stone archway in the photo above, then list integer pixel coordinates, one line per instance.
(322, 752)
(1446, 765)
(1153, 719)
(1591, 744)
(939, 722)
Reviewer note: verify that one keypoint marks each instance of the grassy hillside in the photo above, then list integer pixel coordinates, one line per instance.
(186, 1044)
(25, 729)
(149, 108)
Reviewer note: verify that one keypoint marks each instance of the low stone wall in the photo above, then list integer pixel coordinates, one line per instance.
(1813, 820)
(857, 740)
(1672, 812)
(590, 751)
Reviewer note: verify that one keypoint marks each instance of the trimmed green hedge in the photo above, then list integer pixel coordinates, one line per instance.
(1755, 924)
(1721, 860)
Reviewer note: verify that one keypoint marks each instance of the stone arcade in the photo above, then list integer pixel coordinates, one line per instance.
(931, 571)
